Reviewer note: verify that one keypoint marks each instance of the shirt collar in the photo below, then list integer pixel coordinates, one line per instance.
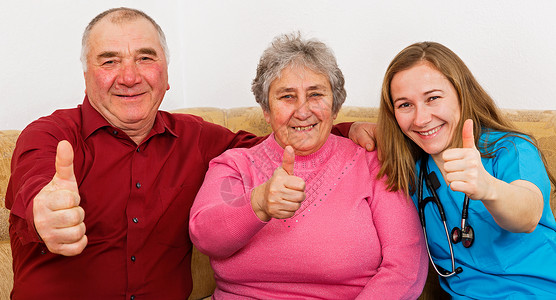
(93, 120)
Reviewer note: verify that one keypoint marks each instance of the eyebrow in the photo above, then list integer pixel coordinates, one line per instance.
(432, 91)
(108, 54)
(311, 88)
(149, 51)
(425, 93)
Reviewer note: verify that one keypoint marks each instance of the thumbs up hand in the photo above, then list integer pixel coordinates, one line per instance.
(463, 168)
(288, 160)
(280, 196)
(57, 215)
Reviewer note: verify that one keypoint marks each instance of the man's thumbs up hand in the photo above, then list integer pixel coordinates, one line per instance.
(57, 215)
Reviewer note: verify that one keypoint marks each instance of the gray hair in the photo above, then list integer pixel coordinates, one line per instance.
(291, 48)
(122, 14)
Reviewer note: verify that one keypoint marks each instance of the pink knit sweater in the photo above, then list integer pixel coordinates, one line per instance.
(350, 239)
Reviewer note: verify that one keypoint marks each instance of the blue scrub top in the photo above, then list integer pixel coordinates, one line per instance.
(500, 264)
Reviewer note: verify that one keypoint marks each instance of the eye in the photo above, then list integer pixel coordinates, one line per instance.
(403, 105)
(316, 95)
(108, 62)
(286, 97)
(432, 98)
(145, 59)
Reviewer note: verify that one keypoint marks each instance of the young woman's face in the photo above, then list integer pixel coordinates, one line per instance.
(426, 107)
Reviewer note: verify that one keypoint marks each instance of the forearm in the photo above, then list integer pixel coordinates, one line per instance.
(404, 267)
(403, 271)
(221, 219)
(32, 169)
(516, 206)
(399, 276)
(221, 230)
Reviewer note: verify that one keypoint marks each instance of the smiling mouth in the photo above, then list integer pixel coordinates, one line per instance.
(130, 96)
(303, 128)
(430, 132)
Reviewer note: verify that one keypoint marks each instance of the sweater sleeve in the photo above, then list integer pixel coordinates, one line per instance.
(222, 220)
(403, 271)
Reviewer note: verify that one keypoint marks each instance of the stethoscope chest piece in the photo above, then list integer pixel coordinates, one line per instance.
(465, 236)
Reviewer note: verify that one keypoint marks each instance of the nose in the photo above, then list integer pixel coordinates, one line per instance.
(303, 111)
(129, 74)
(422, 116)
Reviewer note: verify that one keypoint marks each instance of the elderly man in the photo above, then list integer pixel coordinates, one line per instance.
(100, 194)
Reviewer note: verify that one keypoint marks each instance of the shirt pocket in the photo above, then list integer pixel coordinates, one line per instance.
(172, 227)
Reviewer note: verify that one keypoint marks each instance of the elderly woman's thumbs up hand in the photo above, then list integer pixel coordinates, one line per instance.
(281, 196)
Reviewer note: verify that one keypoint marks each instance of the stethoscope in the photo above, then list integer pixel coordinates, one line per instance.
(465, 234)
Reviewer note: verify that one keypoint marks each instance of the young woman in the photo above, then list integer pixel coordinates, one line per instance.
(480, 185)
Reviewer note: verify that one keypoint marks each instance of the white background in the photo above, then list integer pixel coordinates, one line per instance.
(509, 45)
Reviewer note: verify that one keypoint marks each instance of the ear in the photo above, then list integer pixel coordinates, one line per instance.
(85, 77)
(266, 116)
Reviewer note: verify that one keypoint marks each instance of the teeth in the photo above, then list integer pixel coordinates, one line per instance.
(304, 128)
(432, 131)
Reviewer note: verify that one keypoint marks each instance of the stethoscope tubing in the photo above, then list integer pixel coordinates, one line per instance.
(421, 203)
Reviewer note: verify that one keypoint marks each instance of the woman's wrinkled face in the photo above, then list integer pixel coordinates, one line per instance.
(426, 106)
(300, 109)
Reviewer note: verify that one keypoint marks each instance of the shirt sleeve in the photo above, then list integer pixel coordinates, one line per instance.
(221, 219)
(32, 167)
(341, 129)
(216, 139)
(403, 271)
(518, 159)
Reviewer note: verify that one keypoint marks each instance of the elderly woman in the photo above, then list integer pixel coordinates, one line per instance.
(301, 215)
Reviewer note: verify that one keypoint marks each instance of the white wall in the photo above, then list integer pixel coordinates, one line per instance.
(510, 46)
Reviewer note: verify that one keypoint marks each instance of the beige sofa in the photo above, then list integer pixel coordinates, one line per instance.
(542, 124)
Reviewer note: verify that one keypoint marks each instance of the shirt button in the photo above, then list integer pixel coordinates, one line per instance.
(135, 220)
(138, 185)
(132, 297)
(133, 258)
(138, 150)
(115, 132)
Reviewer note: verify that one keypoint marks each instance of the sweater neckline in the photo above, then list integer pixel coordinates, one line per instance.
(309, 162)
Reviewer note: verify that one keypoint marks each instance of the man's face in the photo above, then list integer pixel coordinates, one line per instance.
(127, 73)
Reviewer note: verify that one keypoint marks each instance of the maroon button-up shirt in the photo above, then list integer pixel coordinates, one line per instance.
(136, 201)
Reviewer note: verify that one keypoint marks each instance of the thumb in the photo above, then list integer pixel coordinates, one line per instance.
(288, 160)
(64, 161)
(467, 134)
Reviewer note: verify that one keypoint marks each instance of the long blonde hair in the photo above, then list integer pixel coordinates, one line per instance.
(399, 153)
